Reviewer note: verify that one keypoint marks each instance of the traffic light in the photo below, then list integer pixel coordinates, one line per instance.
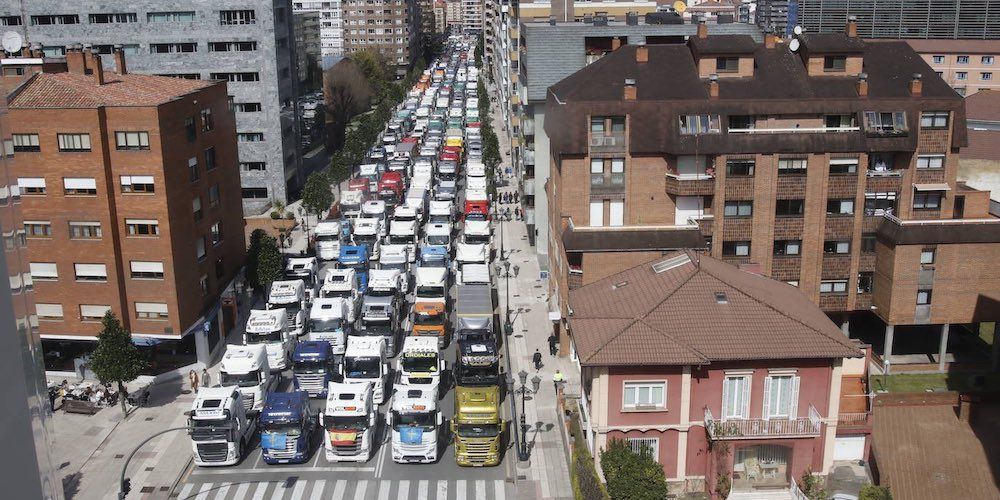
(126, 488)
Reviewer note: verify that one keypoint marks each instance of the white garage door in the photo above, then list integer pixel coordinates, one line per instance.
(849, 448)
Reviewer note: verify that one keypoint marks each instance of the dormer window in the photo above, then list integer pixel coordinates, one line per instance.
(835, 63)
(727, 64)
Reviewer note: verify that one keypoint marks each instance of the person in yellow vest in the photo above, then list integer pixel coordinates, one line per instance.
(557, 380)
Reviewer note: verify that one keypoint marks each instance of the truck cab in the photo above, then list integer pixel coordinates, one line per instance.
(430, 309)
(476, 209)
(437, 234)
(381, 310)
(470, 253)
(416, 423)
(305, 269)
(477, 232)
(366, 233)
(350, 203)
(403, 232)
(220, 427)
(349, 421)
(447, 170)
(286, 428)
(366, 362)
(313, 366)
(390, 188)
(270, 329)
(445, 190)
(291, 297)
(434, 256)
(371, 172)
(355, 258)
(374, 209)
(397, 258)
(440, 212)
(328, 239)
(246, 368)
(330, 321)
(343, 283)
(473, 274)
(405, 213)
(477, 427)
(420, 362)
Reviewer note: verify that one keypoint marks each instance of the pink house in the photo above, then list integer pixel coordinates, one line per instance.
(718, 371)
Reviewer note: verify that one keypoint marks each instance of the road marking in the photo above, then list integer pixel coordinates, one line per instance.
(480, 488)
(442, 490)
(223, 490)
(359, 492)
(383, 490)
(258, 493)
(222, 472)
(321, 451)
(299, 490)
(499, 490)
(460, 489)
(203, 492)
(338, 489)
(404, 490)
(241, 490)
(186, 490)
(422, 489)
(318, 490)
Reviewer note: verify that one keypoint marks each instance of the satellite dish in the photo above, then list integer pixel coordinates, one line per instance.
(680, 6)
(793, 45)
(797, 30)
(11, 41)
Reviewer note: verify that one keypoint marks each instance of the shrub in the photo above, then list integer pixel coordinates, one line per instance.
(874, 492)
(631, 475)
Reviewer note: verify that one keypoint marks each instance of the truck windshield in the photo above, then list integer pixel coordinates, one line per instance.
(239, 379)
(475, 239)
(430, 292)
(209, 430)
(329, 293)
(478, 431)
(292, 430)
(364, 367)
(354, 423)
(309, 366)
(477, 375)
(420, 362)
(364, 239)
(399, 266)
(402, 239)
(427, 319)
(263, 337)
(325, 325)
(425, 421)
(440, 219)
(438, 239)
(328, 237)
(292, 307)
(475, 216)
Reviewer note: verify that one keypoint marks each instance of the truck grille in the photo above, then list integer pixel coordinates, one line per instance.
(248, 401)
(310, 382)
(347, 450)
(213, 452)
(288, 452)
(477, 451)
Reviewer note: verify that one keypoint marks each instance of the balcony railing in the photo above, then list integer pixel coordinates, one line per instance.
(854, 419)
(601, 142)
(798, 130)
(756, 428)
(529, 156)
(614, 181)
(885, 173)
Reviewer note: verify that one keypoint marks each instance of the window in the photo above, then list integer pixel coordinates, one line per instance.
(55, 19)
(196, 208)
(25, 143)
(841, 166)
(781, 396)
(833, 286)
(216, 233)
(85, 230)
(91, 272)
(837, 246)
(736, 397)
(146, 270)
(868, 241)
(792, 166)
(206, 120)
(597, 166)
(597, 124)
(741, 122)
(839, 121)
(142, 227)
(10, 20)
(880, 203)
(170, 17)
(189, 129)
(727, 64)
(93, 312)
(789, 208)
(220, 267)
(930, 161)
(739, 168)
(49, 312)
(938, 59)
(834, 63)
(927, 201)
(961, 75)
(199, 248)
(616, 212)
(114, 18)
(231, 17)
(213, 195)
(596, 213)
(31, 185)
(986, 60)
(151, 310)
(934, 119)
(43, 271)
(248, 107)
(618, 124)
(840, 207)
(250, 136)
(927, 256)
(739, 208)
(80, 186)
(986, 75)
(74, 142)
(254, 193)
(700, 124)
(184, 76)
(37, 229)
(172, 48)
(923, 297)
(865, 282)
(889, 122)
(644, 395)
(736, 248)
(641, 446)
(132, 140)
(203, 282)
(962, 59)
(246, 76)
(193, 169)
(232, 46)
(787, 247)
(137, 184)
(210, 158)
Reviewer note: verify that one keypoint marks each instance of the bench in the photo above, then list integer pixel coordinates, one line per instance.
(76, 406)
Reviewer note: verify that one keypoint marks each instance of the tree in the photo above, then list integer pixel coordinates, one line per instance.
(874, 492)
(632, 475)
(348, 93)
(339, 169)
(116, 359)
(811, 486)
(316, 194)
(268, 262)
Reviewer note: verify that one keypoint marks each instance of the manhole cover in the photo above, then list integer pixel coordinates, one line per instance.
(147, 489)
(119, 455)
(149, 469)
(521, 477)
(519, 336)
(149, 419)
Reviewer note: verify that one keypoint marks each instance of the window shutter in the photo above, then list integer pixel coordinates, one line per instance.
(766, 412)
(727, 395)
(794, 403)
(745, 401)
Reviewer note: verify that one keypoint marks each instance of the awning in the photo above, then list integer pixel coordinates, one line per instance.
(145, 341)
(936, 186)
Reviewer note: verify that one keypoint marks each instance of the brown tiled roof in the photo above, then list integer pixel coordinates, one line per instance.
(832, 43)
(729, 44)
(73, 90)
(983, 145)
(641, 317)
(983, 105)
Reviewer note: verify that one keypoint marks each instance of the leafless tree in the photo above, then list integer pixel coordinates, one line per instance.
(346, 93)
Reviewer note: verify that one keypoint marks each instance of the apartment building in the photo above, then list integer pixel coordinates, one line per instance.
(248, 43)
(391, 27)
(453, 14)
(440, 10)
(969, 19)
(130, 194)
(331, 24)
(472, 17)
(308, 51)
(427, 17)
(969, 66)
(832, 167)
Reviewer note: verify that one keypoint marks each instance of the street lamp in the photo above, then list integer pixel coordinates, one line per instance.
(522, 445)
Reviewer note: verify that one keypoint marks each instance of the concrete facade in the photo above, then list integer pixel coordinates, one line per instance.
(307, 43)
(392, 30)
(878, 19)
(331, 24)
(269, 167)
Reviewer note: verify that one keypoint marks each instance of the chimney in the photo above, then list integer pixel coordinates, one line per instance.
(916, 84)
(702, 28)
(120, 60)
(641, 54)
(713, 86)
(862, 84)
(588, 18)
(630, 90)
(770, 40)
(74, 60)
(852, 26)
(93, 65)
(632, 18)
(36, 50)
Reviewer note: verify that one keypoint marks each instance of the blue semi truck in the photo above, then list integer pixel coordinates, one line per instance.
(286, 426)
(313, 367)
(356, 257)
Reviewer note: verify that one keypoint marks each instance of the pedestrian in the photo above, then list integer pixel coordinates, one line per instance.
(537, 359)
(557, 381)
(53, 393)
(517, 212)
(193, 379)
(553, 344)
(204, 377)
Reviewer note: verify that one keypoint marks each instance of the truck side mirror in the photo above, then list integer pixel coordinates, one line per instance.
(371, 419)
(443, 365)
(320, 418)
(440, 419)
(453, 427)
(388, 418)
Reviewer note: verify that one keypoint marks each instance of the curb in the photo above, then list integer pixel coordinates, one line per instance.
(184, 473)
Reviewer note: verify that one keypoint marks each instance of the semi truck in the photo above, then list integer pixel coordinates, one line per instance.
(477, 428)
(330, 321)
(328, 239)
(434, 256)
(270, 329)
(367, 233)
(473, 274)
(382, 309)
(313, 366)
(286, 428)
(420, 362)
(291, 296)
(474, 310)
(477, 232)
(220, 427)
(303, 268)
(355, 257)
(366, 362)
(416, 424)
(349, 421)
(403, 232)
(246, 368)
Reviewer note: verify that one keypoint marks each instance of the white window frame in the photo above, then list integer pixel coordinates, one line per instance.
(927, 256)
(934, 119)
(741, 404)
(833, 286)
(768, 410)
(146, 267)
(616, 213)
(131, 140)
(74, 142)
(92, 309)
(97, 271)
(650, 386)
(637, 444)
(151, 311)
(597, 213)
(32, 182)
(933, 161)
(47, 271)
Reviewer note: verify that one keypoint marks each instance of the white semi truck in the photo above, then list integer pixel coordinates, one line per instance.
(220, 427)
(420, 362)
(330, 320)
(245, 366)
(350, 421)
(365, 362)
(328, 234)
(270, 329)
(416, 424)
(290, 295)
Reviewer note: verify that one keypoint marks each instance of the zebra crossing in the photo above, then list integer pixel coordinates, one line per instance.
(351, 489)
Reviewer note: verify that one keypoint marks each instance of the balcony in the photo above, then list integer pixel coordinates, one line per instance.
(529, 156)
(528, 126)
(690, 184)
(613, 182)
(861, 420)
(607, 143)
(796, 130)
(759, 428)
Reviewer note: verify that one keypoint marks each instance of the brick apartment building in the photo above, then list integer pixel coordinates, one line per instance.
(969, 66)
(130, 191)
(831, 167)
(391, 27)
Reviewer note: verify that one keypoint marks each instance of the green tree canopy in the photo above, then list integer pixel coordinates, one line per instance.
(316, 194)
(263, 260)
(631, 475)
(116, 360)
